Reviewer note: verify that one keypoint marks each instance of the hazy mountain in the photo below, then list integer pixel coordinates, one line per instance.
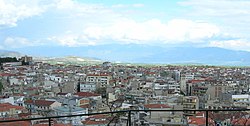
(6, 53)
(135, 53)
(69, 60)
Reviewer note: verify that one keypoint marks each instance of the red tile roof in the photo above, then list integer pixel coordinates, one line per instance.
(7, 106)
(156, 106)
(241, 122)
(86, 94)
(39, 102)
(92, 122)
(57, 124)
(6, 74)
(19, 123)
(85, 106)
(196, 81)
(200, 121)
(24, 115)
(98, 75)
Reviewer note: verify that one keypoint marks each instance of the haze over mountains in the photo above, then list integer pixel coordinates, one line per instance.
(134, 53)
(6, 53)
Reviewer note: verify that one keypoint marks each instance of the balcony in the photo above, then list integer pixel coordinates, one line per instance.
(225, 117)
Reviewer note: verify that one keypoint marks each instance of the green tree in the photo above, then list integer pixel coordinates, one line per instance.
(164, 74)
(1, 86)
(102, 91)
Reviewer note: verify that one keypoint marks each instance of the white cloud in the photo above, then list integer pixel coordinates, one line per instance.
(17, 42)
(238, 44)
(232, 15)
(12, 11)
(90, 24)
(154, 30)
(71, 40)
(138, 5)
(130, 31)
(119, 6)
(79, 9)
(218, 7)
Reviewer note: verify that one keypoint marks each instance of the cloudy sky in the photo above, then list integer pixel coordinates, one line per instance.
(74, 23)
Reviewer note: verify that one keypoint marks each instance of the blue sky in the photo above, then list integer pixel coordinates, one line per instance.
(75, 23)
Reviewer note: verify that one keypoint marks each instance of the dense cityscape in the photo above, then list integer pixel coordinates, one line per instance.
(35, 89)
(124, 62)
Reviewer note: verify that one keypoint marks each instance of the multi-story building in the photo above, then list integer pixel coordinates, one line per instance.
(242, 100)
(87, 87)
(26, 59)
(102, 80)
(43, 107)
(189, 103)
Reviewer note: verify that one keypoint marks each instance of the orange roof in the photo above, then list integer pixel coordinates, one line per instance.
(241, 122)
(200, 114)
(98, 75)
(86, 94)
(7, 106)
(24, 115)
(92, 122)
(200, 121)
(57, 124)
(39, 102)
(156, 106)
(98, 116)
(195, 81)
(6, 74)
(150, 73)
(85, 106)
(19, 123)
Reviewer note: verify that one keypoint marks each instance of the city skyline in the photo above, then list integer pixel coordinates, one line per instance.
(124, 62)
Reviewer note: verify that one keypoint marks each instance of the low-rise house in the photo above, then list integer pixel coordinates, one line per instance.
(15, 81)
(75, 101)
(8, 110)
(5, 99)
(48, 85)
(43, 107)
(199, 120)
(61, 94)
(88, 95)
(242, 100)
(167, 118)
(70, 110)
(19, 100)
(97, 120)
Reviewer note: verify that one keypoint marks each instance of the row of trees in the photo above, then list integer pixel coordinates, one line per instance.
(8, 59)
(1, 86)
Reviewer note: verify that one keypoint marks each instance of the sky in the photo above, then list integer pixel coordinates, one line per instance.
(76, 23)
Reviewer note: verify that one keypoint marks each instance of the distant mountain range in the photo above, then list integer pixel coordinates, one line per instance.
(135, 53)
(6, 53)
(68, 60)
